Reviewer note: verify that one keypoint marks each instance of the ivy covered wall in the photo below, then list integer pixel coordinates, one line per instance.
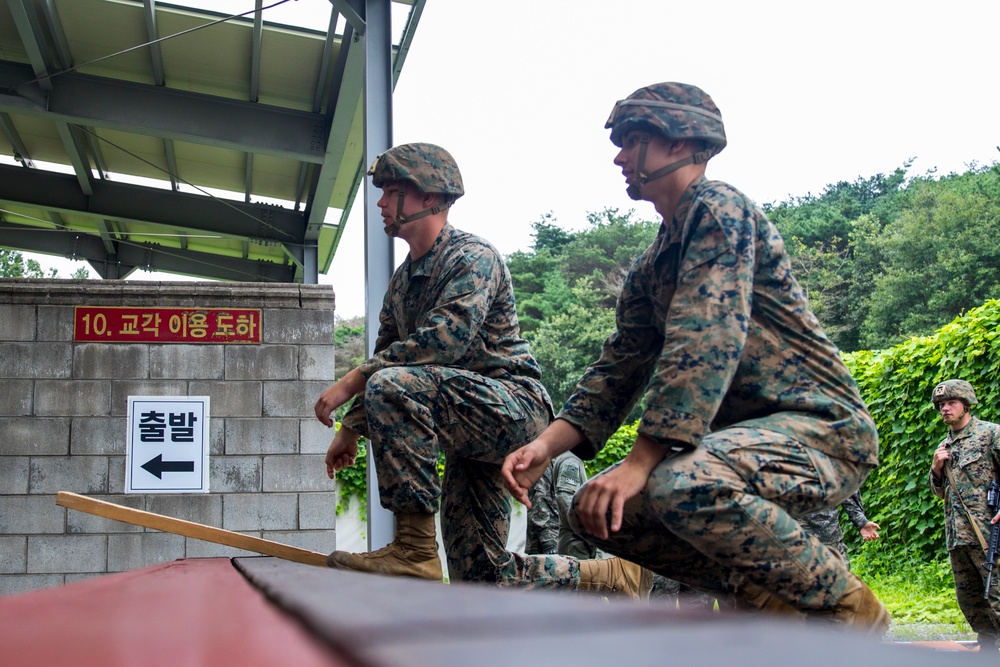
(897, 385)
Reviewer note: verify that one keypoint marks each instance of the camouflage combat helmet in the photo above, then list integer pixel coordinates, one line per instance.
(431, 169)
(672, 110)
(959, 390)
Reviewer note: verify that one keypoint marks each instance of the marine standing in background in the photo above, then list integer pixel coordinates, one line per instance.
(450, 372)
(750, 417)
(548, 529)
(965, 463)
(825, 525)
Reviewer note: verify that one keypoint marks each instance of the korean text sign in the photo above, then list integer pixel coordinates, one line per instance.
(167, 444)
(123, 324)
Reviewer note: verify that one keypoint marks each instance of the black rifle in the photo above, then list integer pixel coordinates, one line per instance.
(992, 502)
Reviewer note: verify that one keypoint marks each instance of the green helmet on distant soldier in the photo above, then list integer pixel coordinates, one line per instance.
(959, 390)
(675, 111)
(431, 169)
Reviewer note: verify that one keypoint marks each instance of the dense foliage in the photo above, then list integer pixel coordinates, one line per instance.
(14, 265)
(348, 345)
(897, 383)
(885, 258)
(566, 288)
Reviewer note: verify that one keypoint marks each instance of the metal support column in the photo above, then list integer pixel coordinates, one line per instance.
(310, 263)
(378, 247)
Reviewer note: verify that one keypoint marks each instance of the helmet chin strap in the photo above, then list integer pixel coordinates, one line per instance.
(392, 229)
(634, 189)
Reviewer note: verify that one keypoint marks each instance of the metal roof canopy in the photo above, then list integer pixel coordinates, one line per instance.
(135, 141)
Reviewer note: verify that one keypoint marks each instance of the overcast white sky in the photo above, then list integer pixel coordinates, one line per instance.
(811, 93)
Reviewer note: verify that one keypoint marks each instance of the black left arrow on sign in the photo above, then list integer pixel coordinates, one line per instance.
(157, 466)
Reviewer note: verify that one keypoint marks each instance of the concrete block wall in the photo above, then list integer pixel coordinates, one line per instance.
(63, 420)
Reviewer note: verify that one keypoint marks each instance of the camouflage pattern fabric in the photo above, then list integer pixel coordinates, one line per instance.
(720, 335)
(975, 460)
(723, 514)
(685, 597)
(970, 582)
(548, 517)
(451, 373)
(960, 390)
(716, 337)
(675, 110)
(431, 168)
(825, 524)
(855, 510)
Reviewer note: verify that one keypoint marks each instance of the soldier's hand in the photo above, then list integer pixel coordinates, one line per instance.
(343, 451)
(609, 491)
(941, 454)
(337, 394)
(522, 468)
(870, 531)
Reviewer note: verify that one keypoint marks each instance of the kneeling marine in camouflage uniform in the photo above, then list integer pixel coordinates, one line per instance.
(750, 417)
(450, 372)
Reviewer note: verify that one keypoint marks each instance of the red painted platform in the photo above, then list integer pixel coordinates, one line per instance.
(267, 611)
(180, 614)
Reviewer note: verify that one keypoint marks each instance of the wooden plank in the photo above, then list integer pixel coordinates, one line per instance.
(197, 531)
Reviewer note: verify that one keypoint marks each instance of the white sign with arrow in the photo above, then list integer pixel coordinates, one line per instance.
(167, 444)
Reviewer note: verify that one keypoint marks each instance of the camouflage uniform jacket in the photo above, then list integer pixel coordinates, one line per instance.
(454, 306)
(975, 459)
(551, 499)
(712, 331)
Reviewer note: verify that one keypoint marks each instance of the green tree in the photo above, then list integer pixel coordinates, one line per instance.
(567, 343)
(941, 257)
(829, 216)
(822, 235)
(566, 288)
(348, 345)
(14, 265)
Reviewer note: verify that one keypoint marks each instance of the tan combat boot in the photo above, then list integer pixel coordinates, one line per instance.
(413, 552)
(615, 576)
(861, 610)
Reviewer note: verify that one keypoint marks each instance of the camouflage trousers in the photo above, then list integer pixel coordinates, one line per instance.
(724, 514)
(970, 582)
(412, 413)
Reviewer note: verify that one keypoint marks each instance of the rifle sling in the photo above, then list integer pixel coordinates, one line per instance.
(972, 519)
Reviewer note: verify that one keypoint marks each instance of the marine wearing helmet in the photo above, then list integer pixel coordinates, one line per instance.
(429, 168)
(676, 111)
(959, 390)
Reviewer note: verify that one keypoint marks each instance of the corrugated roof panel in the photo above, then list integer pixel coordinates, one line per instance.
(213, 60)
(11, 47)
(40, 138)
(133, 154)
(290, 67)
(275, 177)
(208, 138)
(211, 167)
(98, 28)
